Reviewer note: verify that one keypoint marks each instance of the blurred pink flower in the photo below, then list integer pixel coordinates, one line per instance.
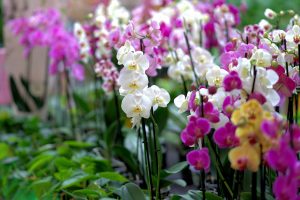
(199, 159)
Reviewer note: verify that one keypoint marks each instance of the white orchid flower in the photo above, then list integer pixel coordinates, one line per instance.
(136, 105)
(215, 76)
(203, 60)
(159, 96)
(136, 61)
(132, 81)
(261, 58)
(278, 35)
(123, 51)
(293, 35)
(181, 102)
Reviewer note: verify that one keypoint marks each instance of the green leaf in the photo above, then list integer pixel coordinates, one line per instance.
(81, 103)
(131, 191)
(176, 168)
(4, 151)
(127, 157)
(64, 163)
(93, 190)
(78, 144)
(179, 182)
(41, 186)
(113, 176)
(87, 193)
(18, 99)
(76, 179)
(63, 174)
(109, 135)
(41, 160)
(246, 196)
(166, 183)
(196, 195)
(37, 100)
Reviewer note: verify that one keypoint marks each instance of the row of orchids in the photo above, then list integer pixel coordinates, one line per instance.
(247, 103)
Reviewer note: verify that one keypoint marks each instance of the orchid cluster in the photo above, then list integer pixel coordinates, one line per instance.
(236, 100)
(160, 24)
(139, 99)
(97, 38)
(45, 29)
(241, 102)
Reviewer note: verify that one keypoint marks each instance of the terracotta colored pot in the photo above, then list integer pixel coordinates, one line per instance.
(5, 96)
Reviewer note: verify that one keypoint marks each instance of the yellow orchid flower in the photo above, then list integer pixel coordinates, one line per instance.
(246, 156)
(250, 112)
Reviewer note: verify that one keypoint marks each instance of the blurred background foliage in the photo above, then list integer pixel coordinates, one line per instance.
(256, 8)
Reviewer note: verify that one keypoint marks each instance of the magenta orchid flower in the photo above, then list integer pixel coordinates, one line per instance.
(210, 112)
(285, 85)
(232, 81)
(199, 159)
(281, 158)
(285, 188)
(225, 136)
(196, 128)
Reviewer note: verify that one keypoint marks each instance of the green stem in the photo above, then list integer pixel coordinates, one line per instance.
(117, 111)
(184, 85)
(202, 178)
(253, 186)
(69, 103)
(157, 160)
(254, 78)
(191, 58)
(219, 170)
(262, 182)
(148, 163)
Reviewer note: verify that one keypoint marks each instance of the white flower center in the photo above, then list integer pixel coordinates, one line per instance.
(137, 109)
(158, 100)
(133, 85)
(133, 66)
(217, 81)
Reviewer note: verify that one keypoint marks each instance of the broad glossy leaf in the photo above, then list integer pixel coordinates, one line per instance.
(127, 157)
(41, 160)
(76, 179)
(18, 99)
(88, 193)
(5, 151)
(37, 100)
(196, 195)
(64, 163)
(177, 168)
(113, 176)
(131, 191)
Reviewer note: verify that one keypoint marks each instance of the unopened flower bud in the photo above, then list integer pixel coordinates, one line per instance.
(270, 14)
(291, 12)
(281, 13)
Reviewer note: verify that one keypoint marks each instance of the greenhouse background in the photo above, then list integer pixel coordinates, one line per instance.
(158, 99)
